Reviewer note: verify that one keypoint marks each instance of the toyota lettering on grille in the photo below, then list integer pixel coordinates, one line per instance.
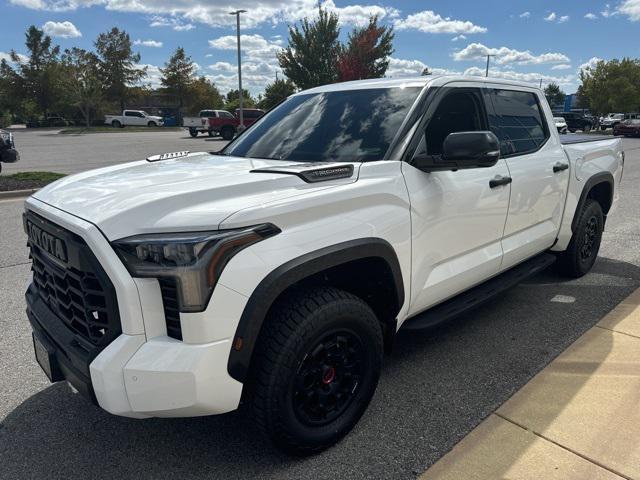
(47, 242)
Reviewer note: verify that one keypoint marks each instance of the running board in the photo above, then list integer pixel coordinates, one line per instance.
(479, 294)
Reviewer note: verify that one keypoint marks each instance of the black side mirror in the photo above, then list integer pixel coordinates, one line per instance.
(9, 155)
(462, 150)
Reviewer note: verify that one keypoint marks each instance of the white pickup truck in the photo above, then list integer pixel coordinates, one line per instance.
(138, 118)
(278, 271)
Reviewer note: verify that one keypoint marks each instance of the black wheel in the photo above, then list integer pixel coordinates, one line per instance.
(317, 366)
(193, 132)
(583, 248)
(572, 130)
(152, 124)
(210, 132)
(116, 124)
(227, 133)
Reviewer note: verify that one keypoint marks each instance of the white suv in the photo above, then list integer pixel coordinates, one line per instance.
(279, 270)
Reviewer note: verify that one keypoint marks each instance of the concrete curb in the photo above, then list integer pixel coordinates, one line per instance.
(17, 193)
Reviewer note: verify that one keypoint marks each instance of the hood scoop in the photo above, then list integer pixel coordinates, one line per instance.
(312, 172)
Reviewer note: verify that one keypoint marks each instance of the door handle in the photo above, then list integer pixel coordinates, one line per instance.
(559, 167)
(499, 180)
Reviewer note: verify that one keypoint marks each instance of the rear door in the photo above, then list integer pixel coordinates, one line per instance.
(457, 219)
(538, 166)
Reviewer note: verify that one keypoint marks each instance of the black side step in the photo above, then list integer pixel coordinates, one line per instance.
(478, 295)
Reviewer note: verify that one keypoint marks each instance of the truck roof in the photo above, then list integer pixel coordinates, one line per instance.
(421, 81)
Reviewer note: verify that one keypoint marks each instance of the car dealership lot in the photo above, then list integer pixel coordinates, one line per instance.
(434, 389)
(48, 150)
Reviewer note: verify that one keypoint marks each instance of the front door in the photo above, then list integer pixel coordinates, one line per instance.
(457, 219)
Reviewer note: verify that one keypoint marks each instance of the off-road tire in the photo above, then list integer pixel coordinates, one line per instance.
(298, 336)
(583, 248)
(227, 133)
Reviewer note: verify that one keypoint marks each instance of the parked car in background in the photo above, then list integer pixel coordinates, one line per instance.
(561, 124)
(628, 128)
(138, 118)
(8, 152)
(631, 116)
(577, 121)
(50, 121)
(611, 120)
(199, 124)
(249, 115)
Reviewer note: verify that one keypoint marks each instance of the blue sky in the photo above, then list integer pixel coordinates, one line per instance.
(532, 39)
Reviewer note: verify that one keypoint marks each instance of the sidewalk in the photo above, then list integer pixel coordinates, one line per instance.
(579, 418)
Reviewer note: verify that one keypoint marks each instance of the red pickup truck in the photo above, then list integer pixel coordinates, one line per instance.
(227, 125)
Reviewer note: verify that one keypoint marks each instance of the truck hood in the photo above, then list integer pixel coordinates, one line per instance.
(191, 193)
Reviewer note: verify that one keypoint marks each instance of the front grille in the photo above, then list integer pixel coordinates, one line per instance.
(76, 288)
(171, 311)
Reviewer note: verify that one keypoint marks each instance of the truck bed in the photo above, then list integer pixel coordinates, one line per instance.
(571, 139)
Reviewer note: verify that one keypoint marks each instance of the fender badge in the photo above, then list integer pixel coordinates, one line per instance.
(167, 156)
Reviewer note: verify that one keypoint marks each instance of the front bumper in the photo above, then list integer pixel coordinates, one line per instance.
(143, 372)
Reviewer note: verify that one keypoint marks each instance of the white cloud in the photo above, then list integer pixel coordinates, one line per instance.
(591, 16)
(148, 43)
(56, 5)
(591, 63)
(430, 22)
(6, 56)
(607, 12)
(551, 17)
(504, 55)
(525, 15)
(259, 62)
(563, 19)
(64, 29)
(458, 37)
(630, 8)
(175, 23)
(562, 66)
(529, 77)
(153, 75)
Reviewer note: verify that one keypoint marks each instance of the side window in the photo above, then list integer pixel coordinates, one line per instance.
(129, 114)
(517, 121)
(461, 110)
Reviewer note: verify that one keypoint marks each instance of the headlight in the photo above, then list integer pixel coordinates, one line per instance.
(195, 260)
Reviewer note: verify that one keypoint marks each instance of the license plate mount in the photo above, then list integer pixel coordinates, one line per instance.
(46, 358)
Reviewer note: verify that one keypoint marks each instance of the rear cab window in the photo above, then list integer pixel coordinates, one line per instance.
(517, 120)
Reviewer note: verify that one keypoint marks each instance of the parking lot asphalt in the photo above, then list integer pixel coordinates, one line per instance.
(47, 150)
(435, 387)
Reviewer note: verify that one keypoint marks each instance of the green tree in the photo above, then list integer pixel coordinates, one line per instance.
(310, 59)
(232, 100)
(177, 76)
(203, 95)
(118, 64)
(40, 74)
(612, 86)
(82, 84)
(367, 52)
(555, 96)
(276, 92)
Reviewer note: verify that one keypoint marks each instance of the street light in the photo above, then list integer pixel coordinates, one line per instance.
(486, 73)
(237, 14)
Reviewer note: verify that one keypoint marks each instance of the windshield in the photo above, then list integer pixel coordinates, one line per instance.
(342, 126)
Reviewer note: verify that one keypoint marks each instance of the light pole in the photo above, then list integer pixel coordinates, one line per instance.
(486, 73)
(237, 14)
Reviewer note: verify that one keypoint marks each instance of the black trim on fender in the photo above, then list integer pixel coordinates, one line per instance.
(289, 274)
(596, 179)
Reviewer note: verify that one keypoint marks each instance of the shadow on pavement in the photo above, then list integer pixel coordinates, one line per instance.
(435, 388)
